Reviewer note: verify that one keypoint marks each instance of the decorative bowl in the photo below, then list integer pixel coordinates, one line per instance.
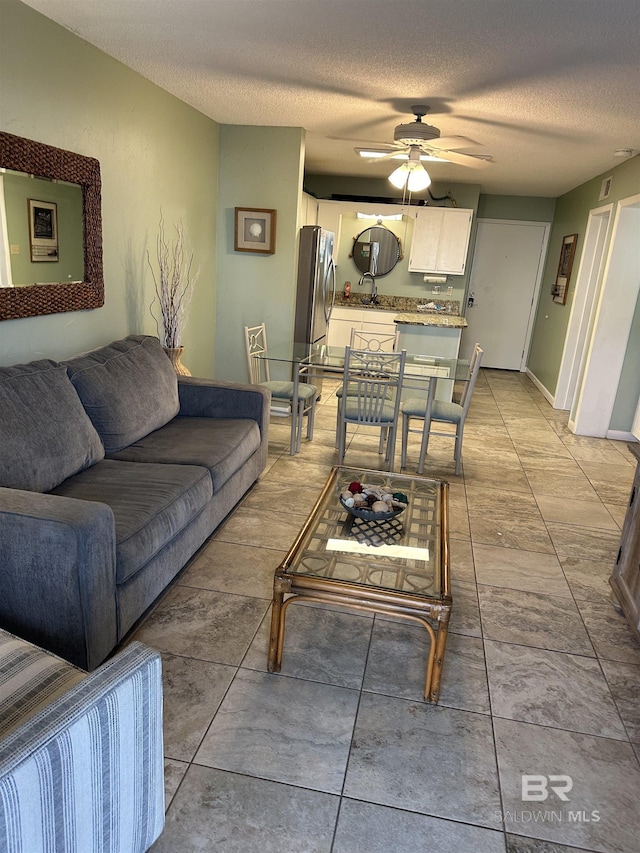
(368, 514)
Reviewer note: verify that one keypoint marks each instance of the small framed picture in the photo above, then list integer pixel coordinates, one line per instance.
(43, 230)
(255, 230)
(565, 265)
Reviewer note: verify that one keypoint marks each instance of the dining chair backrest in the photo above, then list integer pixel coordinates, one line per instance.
(474, 367)
(371, 380)
(256, 345)
(374, 341)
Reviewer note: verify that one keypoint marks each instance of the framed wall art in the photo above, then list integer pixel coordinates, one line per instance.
(255, 230)
(565, 265)
(43, 230)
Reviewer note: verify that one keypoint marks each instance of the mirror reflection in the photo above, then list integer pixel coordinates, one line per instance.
(376, 250)
(71, 288)
(43, 230)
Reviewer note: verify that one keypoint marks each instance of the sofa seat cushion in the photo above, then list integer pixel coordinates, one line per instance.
(219, 444)
(128, 389)
(45, 434)
(151, 504)
(30, 679)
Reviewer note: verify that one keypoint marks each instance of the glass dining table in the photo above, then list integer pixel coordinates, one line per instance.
(431, 376)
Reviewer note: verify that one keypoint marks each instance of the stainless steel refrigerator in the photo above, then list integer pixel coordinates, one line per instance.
(316, 289)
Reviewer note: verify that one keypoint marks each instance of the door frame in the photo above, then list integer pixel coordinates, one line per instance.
(6, 279)
(635, 427)
(591, 414)
(583, 306)
(539, 274)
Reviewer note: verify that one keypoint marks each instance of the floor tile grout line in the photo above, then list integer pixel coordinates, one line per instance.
(362, 689)
(225, 694)
(351, 739)
(573, 598)
(491, 713)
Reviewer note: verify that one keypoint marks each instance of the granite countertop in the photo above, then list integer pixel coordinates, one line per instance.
(425, 318)
(406, 309)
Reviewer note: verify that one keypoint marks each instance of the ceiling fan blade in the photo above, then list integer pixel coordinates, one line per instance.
(388, 155)
(451, 142)
(463, 159)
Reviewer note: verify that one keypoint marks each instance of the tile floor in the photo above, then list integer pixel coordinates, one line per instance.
(339, 752)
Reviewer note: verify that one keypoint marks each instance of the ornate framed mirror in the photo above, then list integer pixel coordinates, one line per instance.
(55, 164)
(376, 250)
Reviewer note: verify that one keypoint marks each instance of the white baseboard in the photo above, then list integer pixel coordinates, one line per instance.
(621, 435)
(546, 394)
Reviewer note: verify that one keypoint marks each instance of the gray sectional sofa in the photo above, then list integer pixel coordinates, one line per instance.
(113, 472)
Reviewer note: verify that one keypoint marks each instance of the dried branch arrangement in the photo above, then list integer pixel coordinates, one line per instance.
(173, 284)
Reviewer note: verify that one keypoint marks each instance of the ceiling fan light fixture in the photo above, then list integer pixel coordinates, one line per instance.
(419, 179)
(399, 177)
(412, 173)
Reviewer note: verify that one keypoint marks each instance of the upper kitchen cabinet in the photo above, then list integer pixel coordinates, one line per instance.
(440, 240)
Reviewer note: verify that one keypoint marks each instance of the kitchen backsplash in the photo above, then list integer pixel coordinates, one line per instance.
(404, 304)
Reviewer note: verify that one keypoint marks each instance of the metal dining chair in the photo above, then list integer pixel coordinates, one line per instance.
(458, 387)
(288, 399)
(371, 396)
(372, 342)
(431, 410)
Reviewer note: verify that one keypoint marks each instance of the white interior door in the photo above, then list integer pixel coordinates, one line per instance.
(506, 272)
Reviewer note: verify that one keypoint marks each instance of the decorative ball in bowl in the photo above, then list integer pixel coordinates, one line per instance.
(372, 503)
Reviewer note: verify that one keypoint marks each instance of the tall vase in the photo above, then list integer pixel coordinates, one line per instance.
(175, 354)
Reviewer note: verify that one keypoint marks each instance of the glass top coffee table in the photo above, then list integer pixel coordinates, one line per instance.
(398, 566)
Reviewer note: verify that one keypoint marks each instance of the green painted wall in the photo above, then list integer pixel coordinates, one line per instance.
(550, 325)
(518, 207)
(155, 153)
(259, 167)
(18, 189)
(326, 186)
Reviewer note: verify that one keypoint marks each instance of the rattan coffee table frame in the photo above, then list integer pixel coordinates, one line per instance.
(431, 611)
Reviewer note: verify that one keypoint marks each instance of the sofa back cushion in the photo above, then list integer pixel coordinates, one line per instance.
(128, 389)
(45, 434)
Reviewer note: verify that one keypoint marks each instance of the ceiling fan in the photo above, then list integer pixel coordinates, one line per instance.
(417, 141)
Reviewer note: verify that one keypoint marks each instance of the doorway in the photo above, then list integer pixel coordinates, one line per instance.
(506, 271)
(591, 413)
(583, 307)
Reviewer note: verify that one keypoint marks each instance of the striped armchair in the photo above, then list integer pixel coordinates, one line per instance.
(81, 755)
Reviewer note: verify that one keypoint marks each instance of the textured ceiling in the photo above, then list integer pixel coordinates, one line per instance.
(548, 88)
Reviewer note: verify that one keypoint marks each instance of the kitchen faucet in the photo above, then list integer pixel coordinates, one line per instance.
(374, 289)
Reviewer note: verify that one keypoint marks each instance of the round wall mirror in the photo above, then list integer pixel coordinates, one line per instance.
(376, 250)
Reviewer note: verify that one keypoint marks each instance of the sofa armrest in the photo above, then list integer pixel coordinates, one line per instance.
(58, 574)
(208, 398)
(88, 768)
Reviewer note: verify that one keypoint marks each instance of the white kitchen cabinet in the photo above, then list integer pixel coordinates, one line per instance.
(340, 332)
(340, 325)
(378, 321)
(441, 240)
(362, 319)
